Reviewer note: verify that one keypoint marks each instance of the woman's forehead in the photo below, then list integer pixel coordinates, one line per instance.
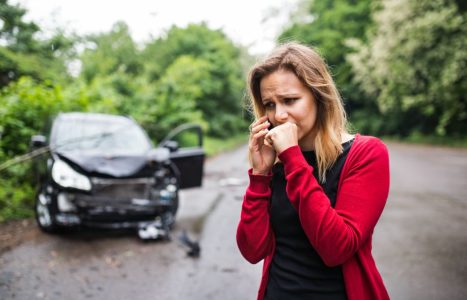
(281, 82)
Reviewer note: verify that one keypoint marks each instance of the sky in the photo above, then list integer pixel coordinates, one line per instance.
(251, 23)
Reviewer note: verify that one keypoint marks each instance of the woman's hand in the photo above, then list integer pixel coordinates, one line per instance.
(282, 137)
(261, 156)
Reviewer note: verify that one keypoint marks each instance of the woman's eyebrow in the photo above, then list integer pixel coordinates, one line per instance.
(288, 95)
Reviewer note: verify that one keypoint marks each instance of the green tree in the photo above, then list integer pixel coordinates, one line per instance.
(222, 85)
(21, 53)
(327, 25)
(26, 108)
(111, 78)
(109, 52)
(172, 101)
(189, 74)
(415, 65)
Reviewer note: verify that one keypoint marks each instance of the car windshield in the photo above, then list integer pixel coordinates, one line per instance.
(106, 136)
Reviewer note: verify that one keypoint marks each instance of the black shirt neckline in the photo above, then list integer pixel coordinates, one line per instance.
(310, 156)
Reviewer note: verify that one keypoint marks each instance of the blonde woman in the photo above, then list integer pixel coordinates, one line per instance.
(316, 191)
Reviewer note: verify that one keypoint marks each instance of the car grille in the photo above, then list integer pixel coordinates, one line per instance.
(117, 200)
(121, 189)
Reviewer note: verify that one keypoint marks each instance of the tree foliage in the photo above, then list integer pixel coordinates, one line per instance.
(110, 52)
(400, 65)
(173, 99)
(217, 82)
(415, 66)
(22, 53)
(191, 74)
(26, 108)
(326, 25)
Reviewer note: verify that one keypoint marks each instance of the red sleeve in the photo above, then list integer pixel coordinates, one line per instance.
(337, 233)
(254, 233)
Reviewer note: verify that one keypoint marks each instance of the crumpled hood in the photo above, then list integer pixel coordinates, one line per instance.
(107, 166)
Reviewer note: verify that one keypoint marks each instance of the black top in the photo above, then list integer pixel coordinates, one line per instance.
(297, 271)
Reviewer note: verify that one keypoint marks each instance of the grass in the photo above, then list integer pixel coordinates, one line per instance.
(460, 142)
(214, 146)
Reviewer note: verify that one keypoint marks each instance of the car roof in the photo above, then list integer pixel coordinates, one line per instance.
(85, 116)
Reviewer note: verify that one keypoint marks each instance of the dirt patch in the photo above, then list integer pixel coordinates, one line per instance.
(13, 233)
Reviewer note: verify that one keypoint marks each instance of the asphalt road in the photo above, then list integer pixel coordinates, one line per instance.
(420, 243)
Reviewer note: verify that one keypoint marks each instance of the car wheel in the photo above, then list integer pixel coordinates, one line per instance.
(44, 217)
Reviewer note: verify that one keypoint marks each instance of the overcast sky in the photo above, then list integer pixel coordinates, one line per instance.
(245, 21)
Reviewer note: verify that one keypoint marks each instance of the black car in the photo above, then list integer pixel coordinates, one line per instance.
(103, 171)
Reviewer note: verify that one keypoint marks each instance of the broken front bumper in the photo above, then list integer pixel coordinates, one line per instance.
(115, 203)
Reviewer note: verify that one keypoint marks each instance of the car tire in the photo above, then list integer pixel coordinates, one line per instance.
(44, 216)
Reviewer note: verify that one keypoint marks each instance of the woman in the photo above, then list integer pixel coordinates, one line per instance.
(316, 192)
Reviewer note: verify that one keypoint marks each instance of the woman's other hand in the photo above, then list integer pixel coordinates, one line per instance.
(282, 137)
(261, 156)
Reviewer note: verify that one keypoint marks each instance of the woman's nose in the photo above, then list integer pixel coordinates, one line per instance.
(281, 115)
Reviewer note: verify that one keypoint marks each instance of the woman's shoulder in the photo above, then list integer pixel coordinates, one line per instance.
(366, 144)
(369, 140)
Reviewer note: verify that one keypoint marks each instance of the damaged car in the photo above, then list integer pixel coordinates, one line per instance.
(103, 171)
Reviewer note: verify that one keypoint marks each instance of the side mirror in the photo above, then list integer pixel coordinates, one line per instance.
(171, 145)
(38, 141)
(158, 155)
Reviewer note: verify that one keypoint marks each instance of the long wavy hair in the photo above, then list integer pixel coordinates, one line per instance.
(312, 71)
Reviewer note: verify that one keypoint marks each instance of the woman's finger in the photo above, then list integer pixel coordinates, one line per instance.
(255, 142)
(255, 126)
(268, 142)
(260, 127)
(260, 133)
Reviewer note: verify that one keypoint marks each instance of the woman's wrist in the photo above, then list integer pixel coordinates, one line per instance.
(260, 172)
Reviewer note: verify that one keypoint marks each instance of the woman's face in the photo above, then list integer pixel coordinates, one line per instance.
(286, 99)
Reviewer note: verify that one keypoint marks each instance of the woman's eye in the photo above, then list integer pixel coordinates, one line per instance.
(268, 105)
(289, 100)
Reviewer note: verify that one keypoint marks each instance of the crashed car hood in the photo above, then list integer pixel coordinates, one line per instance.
(109, 166)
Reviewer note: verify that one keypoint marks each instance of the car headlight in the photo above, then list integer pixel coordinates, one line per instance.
(66, 177)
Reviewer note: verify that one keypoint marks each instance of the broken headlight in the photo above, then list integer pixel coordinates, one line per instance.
(66, 177)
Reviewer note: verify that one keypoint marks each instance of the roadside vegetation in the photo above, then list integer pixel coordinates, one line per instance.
(401, 67)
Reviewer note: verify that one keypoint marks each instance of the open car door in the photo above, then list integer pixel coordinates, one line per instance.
(186, 151)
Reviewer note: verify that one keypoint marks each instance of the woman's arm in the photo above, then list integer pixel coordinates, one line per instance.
(254, 235)
(337, 233)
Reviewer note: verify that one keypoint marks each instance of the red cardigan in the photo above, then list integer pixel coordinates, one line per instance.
(340, 235)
